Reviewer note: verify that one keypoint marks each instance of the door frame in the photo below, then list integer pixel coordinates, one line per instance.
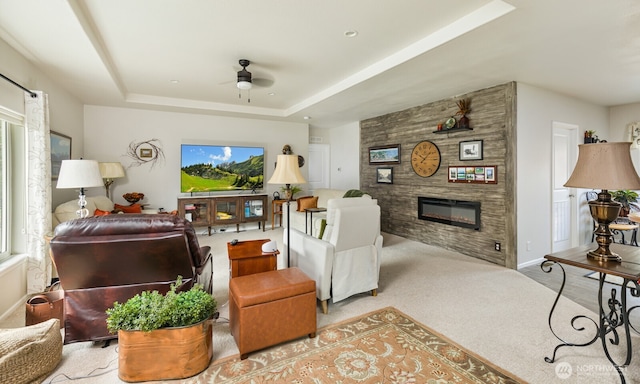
(574, 219)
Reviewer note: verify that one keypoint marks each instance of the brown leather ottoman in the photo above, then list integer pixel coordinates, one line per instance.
(272, 307)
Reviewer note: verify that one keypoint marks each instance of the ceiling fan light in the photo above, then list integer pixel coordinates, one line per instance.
(244, 85)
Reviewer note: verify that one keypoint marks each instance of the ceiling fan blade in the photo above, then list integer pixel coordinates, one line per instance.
(262, 82)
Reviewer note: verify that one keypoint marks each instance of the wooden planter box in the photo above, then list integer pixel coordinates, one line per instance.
(165, 354)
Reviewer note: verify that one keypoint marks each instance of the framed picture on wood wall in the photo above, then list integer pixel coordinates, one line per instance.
(471, 150)
(384, 175)
(385, 154)
(60, 150)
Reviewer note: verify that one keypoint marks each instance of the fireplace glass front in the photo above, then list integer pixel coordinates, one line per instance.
(459, 213)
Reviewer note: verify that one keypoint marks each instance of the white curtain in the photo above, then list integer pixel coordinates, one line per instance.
(38, 191)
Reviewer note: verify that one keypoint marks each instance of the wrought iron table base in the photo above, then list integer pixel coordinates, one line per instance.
(612, 317)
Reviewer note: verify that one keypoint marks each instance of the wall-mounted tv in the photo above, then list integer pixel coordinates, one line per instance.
(215, 168)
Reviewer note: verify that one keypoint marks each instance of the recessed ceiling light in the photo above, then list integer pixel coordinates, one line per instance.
(307, 117)
(174, 81)
(351, 33)
(271, 93)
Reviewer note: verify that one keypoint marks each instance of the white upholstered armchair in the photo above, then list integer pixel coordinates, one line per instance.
(347, 259)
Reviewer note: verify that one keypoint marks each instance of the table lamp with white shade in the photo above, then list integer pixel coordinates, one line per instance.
(287, 172)
(79, 174)
(604, 166)
(110, 171)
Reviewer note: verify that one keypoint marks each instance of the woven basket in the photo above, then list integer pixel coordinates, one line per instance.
(29, 354)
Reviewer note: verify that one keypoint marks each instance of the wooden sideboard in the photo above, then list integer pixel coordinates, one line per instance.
(209, 211)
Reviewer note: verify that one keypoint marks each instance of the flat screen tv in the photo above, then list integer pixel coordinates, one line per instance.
(215, 168)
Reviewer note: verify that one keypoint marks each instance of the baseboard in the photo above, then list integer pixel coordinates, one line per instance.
(530, 263)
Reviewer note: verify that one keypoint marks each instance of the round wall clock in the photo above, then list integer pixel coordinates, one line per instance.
(425, 158)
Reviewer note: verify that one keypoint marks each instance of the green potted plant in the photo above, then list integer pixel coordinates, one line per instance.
(163, 336)
(624, 197)
(290, 192)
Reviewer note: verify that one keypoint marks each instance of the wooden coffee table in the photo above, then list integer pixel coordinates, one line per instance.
(246, 257)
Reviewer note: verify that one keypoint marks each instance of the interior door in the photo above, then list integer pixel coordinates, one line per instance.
(319, 166)
(564, 202)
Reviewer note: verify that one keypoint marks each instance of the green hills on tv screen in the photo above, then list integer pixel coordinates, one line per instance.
(208, 168)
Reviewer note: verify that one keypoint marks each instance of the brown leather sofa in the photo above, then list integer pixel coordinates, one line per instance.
(104, 259)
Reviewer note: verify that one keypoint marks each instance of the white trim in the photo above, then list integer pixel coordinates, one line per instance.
(11, 116)
(531, 262)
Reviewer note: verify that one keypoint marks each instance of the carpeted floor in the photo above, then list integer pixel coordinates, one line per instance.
(493, 312)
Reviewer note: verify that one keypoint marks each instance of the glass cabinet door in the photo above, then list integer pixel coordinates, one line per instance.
(226, 210)
(197, 212)
(254, 208)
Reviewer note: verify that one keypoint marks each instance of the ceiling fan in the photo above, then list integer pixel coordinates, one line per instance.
(244, 76)
(245, 81)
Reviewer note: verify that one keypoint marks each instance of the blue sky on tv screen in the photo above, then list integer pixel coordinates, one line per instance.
(217, 154)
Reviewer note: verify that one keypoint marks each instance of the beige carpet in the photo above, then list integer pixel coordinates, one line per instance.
(494, 312)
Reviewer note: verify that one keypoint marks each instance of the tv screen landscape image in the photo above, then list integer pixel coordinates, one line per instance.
(215, 168)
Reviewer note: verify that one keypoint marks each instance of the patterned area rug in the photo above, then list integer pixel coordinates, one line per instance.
(385, 346)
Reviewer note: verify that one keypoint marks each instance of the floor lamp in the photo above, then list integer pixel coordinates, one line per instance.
(604, 166)
(110, 171)
(79, 174)
(287, 172)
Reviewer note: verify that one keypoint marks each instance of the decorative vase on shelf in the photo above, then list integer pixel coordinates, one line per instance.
(463, 122)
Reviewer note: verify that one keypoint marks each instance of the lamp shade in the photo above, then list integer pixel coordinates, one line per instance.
(604, 166)
(79, 174)
(111, 170)
(287, 171)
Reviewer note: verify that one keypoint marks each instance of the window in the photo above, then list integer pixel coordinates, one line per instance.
(4, 196)
(12, 184)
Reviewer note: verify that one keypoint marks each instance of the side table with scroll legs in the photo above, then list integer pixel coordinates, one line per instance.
(613, 327)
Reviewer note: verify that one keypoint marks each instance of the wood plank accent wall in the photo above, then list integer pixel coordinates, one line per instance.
(493, 120)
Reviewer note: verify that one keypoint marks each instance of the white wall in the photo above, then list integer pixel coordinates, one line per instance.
(620, 117)
(109, 132)
(537, 109)
(345, 156)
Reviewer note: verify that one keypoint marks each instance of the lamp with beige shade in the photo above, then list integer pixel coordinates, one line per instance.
(604, 166)
(110, 171)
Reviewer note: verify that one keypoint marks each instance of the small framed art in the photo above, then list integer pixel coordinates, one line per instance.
(385, 154)
(60, 150)
(146, 152)
(471, 150)
(384, 175)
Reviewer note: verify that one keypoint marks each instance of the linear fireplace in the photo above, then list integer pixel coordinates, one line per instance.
(460, 213)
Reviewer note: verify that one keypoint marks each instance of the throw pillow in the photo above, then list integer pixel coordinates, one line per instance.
(100, 212)
(323, 225)
(134, 208)
(298, 200)
(354, 193)
(309, 202)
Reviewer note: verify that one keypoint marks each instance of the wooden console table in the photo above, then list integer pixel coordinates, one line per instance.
(207, 211)
(246, 257)
(613, 324)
